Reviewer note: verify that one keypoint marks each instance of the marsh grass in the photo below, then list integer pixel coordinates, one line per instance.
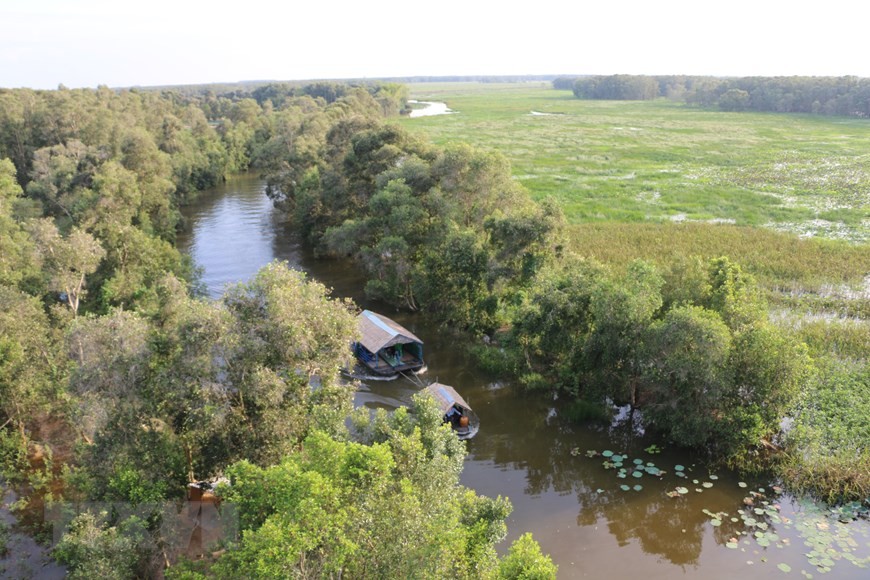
(782, 262)
(844, 338)
(658, 160)
(777, 193)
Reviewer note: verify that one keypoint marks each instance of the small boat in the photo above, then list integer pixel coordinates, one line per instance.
(456, 411)
(386, 347)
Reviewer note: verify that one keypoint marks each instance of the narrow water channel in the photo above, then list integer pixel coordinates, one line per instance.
(592, 527)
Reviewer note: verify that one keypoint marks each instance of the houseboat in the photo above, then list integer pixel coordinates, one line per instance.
(387, 348)
(456, 411)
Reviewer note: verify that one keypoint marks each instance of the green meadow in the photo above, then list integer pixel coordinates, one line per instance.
(787, 196)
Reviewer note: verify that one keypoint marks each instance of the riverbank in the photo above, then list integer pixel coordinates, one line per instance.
(528, 451)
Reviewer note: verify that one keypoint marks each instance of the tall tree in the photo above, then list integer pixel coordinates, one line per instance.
(68, 260)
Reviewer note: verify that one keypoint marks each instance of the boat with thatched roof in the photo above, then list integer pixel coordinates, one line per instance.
(386, 347)
(456, 411)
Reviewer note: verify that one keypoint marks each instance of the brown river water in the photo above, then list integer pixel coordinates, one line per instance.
(721, 527)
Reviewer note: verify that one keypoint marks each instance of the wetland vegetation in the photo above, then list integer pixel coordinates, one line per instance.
(784, 196)
(645, 254)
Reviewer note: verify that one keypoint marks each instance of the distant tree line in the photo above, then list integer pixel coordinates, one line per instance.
(846, 96)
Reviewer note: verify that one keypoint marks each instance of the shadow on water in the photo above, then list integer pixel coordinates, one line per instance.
(526, 451)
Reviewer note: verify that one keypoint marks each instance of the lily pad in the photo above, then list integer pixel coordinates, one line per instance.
(624, 487)
(607, 453)
(714, 477)
(707, 484)
(716, 522)
(638, 461)
(637, 474)
(741, 484)
(784, 567)
(682, 490)
(637, 487)
(679, 468)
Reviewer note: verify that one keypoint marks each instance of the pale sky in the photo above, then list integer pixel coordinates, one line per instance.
(85, 43)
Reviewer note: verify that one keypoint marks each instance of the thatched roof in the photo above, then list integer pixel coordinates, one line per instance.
(380, 332)
(446, 396)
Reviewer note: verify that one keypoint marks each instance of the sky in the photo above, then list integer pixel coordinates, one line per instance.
(120, 43)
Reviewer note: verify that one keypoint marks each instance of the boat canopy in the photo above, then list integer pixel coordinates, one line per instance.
(446, 397)
(379, 332)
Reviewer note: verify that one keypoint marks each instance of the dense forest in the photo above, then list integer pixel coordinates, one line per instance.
(845, 96)
(118, 383)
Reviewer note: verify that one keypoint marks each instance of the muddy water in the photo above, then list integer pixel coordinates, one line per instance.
(573, 505)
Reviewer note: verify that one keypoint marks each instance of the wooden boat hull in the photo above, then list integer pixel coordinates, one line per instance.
(466, 432)
(464, 422)
(385, 366)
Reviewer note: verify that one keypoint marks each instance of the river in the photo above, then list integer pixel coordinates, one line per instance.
(572, 504)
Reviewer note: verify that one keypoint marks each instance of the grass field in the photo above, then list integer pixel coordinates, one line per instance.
(788, 196)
